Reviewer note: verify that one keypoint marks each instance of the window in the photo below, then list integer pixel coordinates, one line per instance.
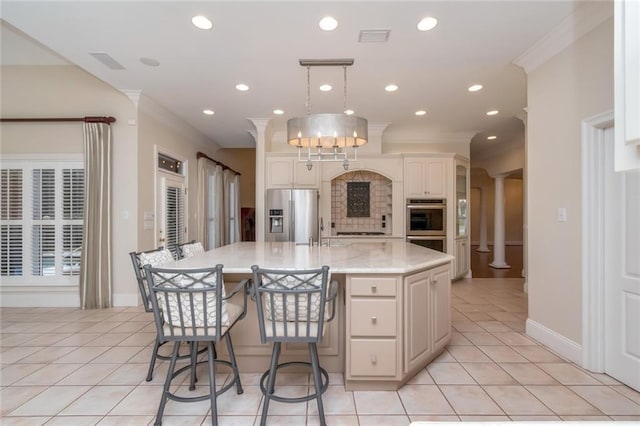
(41, 214)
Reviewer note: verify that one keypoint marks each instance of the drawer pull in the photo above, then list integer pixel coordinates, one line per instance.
(374, 320)
(374, 359)
(374, 288)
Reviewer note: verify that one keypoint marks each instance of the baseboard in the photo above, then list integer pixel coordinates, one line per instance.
(554, 341)
(123, 300)
(40, 298)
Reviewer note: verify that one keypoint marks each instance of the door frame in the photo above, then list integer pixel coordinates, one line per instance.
(593, 280)
(157, 175)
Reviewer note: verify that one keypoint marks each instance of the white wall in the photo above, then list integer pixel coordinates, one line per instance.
(66, 91)
(573, 85)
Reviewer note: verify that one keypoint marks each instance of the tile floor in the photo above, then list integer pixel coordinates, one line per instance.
(73, 367)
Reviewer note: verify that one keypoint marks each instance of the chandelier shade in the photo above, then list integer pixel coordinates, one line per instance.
(327, 131)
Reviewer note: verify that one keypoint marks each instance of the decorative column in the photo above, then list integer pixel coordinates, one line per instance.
(525, 219)
(498, 226)
(260, 136)
(483, 248)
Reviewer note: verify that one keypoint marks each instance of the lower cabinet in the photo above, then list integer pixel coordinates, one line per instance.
(395, 325)
(462, 257)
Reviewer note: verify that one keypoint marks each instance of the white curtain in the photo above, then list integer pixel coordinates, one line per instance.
(216, 208)
(234, 236)
(95, 262)
(206, 169)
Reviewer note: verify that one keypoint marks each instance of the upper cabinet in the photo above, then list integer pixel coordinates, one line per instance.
(425, 177)
(461, 198)
(288, 172)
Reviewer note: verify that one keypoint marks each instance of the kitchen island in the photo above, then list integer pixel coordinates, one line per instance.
(392, 316)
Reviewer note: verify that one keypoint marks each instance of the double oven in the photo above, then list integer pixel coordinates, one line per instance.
(427, 223)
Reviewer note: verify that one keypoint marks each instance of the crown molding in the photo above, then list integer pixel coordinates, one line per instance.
(417, 138)
(586, 17)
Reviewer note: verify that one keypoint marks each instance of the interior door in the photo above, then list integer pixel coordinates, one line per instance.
(622, 270)
(171, 218)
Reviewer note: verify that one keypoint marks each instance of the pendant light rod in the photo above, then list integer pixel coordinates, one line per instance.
(343, 62)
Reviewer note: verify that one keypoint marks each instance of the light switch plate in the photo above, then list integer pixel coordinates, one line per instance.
(562, 214)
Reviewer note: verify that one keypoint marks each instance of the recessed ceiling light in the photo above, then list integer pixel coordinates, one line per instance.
(242, 87)
(491, 137)
(348, 112)
(427, 23)
(492, 112)
(150, 62)
(208, 111)
(278, 111)
(326, 87)
(391, 88)
(420, 112)
(475, 88)
(202, 22)
(328, 23)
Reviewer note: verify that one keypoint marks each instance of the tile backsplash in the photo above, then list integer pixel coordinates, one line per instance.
(380, 190)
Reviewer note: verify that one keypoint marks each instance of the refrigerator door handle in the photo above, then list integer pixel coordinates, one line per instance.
(292, 222)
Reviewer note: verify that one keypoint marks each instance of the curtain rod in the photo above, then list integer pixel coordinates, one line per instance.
(224, 166)
(107, 120)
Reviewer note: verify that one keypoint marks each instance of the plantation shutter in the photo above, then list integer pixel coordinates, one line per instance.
(11, 227)
(43, 249)
(72, 212)
(175, 220)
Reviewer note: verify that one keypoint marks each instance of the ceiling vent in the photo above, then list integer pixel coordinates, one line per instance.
(374, 36)
(107, 60)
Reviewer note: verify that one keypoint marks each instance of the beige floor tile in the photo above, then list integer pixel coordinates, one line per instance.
(466, 326)
(537, 354)
(378, 402)
(518, 325)
(608, 400)
(14, 396)
(422, 378)
(89, 374)
(516, 400)
(383, 420)
(283, 408)
(586, 418)
(528, 374)
(118, 354)
(197, 408)
(17, 354)
(492, 325)
(142, 400)
(284, 420)
(51, 401)
(488, 373)
(502, 354)
(231, 404)
(470, 400)
(99, 400)
(336, 401)
(563, 401)
(603, 378)
(186, 420)
(336, 379)
(24, 421)
(434, 418)
(457, 339)
(108, 339)
(129, 327)
(48, 375)
(482, 338)
(424, 399)
(139, 339)
(11, 340)
(333, 420)
(534, 418)
(449, 373)
(628, 392)
(81, 355)
(126, 374)
(478, 316)
(468, 354)
(568, 374)
(14, 372)
(48, 339)
(505, 316)
(47, 355)
(484, 418)
(473, 307)
(101, 327)
(626, 418)
(126, 421)
(445, 356)
(78, 339)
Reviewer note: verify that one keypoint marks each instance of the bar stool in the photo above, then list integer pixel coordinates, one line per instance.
(291, 307)
(191, 305)
(189, 249)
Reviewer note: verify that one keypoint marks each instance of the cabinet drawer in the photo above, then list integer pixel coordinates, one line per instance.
(373, 357)
(375, 317)
(373, 286)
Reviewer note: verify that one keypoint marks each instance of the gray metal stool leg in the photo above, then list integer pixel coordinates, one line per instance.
(234, 365)
(317, 380)
(193, 347)
(167, 384)
(212, 383)
(152, 363)
(275, 354)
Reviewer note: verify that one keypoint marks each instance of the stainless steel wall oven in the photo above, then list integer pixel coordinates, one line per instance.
(427, 223)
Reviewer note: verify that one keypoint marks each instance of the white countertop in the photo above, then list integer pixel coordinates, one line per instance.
(393, 257)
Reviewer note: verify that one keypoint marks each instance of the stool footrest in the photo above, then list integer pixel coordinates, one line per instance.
(200, 397)
(325, 384)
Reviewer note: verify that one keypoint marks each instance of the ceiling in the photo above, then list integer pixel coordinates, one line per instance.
(259, 43)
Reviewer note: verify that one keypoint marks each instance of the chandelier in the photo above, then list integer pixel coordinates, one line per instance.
(327, 137)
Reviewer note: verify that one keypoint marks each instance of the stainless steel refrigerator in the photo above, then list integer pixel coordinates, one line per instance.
(292, 215)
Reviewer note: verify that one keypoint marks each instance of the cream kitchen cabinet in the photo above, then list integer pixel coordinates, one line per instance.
(462, 257)
(427, 320)
(426, 177)
(288, 172)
